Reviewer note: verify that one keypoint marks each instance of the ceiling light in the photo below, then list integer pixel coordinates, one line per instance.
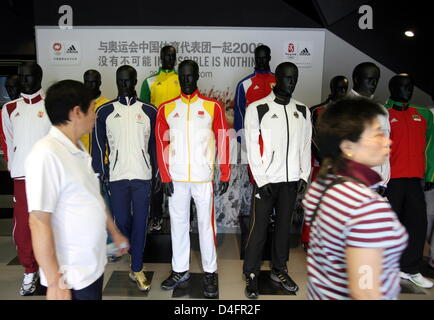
(409, 34)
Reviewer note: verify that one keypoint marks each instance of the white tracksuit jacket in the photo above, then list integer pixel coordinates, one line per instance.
(278, 140)
(126, 127)
(24, 122)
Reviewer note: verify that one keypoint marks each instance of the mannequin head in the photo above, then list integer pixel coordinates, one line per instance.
(401, 87)
(168, 57)
(30, 75)
(188, 73)
(338, 88)
(262, 58)
(126, 80)
(92, 81)
(286, 79)
(12, 86)
(365, 78)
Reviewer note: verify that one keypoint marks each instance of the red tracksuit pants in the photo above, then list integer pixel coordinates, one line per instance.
(21, 232)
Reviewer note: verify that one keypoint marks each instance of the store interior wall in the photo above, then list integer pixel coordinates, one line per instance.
(340, 58)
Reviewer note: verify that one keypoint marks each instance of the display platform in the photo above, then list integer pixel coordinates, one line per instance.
(194, 288)
(120, 285)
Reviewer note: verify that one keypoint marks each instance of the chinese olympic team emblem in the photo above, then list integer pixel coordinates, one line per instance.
(291, 48)
(57, 47)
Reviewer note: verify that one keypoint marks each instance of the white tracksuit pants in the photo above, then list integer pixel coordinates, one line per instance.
(179, 210)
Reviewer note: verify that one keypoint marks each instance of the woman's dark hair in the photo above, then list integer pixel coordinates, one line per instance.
(343, 120)
(63, 96)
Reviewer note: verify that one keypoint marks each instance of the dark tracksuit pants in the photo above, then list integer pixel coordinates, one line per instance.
(407, 199)
(21, 232)
(283, 201)
(130, 201)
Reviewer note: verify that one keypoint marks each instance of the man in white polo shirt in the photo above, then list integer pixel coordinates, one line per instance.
(68, 216)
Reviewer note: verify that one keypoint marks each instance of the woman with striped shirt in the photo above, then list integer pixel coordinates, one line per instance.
(356, 239)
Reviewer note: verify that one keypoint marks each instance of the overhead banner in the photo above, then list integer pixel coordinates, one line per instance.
(224, 55)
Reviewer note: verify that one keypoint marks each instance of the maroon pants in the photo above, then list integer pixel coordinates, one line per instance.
(21, 232)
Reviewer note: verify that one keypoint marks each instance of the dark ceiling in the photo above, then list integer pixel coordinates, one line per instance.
(386, 43)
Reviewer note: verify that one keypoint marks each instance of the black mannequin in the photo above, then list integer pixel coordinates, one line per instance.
(92, 80)
(338, 90)
(286, 79)
(401, 88)
(168, 57)
(12, 86)
(365, 79)
(188, 74)
(30, 75)
(126, 80)
(262, 58)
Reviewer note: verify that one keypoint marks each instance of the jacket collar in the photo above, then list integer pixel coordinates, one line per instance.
(127, 101)
(361, 172)
(268, 71)
(192, 98)
(400, 106)
(33, 98)
(64, 140)
(161, 70)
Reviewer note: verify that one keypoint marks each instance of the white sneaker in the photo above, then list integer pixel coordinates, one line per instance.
(417, 279)
(28, 287)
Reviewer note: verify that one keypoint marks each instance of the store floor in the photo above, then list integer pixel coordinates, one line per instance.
(231, 285)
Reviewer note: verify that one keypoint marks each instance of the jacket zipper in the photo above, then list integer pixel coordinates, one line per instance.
(272, 158)
(143, 153)
(116, 160)
(287, 142)
(188, 137)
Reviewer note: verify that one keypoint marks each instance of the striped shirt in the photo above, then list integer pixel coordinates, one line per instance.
(350, 215)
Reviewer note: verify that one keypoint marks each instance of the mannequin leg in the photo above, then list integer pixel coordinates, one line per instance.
(21, 233)
(140, 194)
(287, 195)
(120, 201)
(258, 227)
(203, 196)
(429, 197)
(415, 209)
(396, 191)
(179, 210)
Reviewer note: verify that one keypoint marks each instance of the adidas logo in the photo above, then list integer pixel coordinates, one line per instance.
(176, 115)
(17, 114)
(71, 49)
(305, 52)
(117, 115)
(256, 87)
(274, 117)
(393, 120)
